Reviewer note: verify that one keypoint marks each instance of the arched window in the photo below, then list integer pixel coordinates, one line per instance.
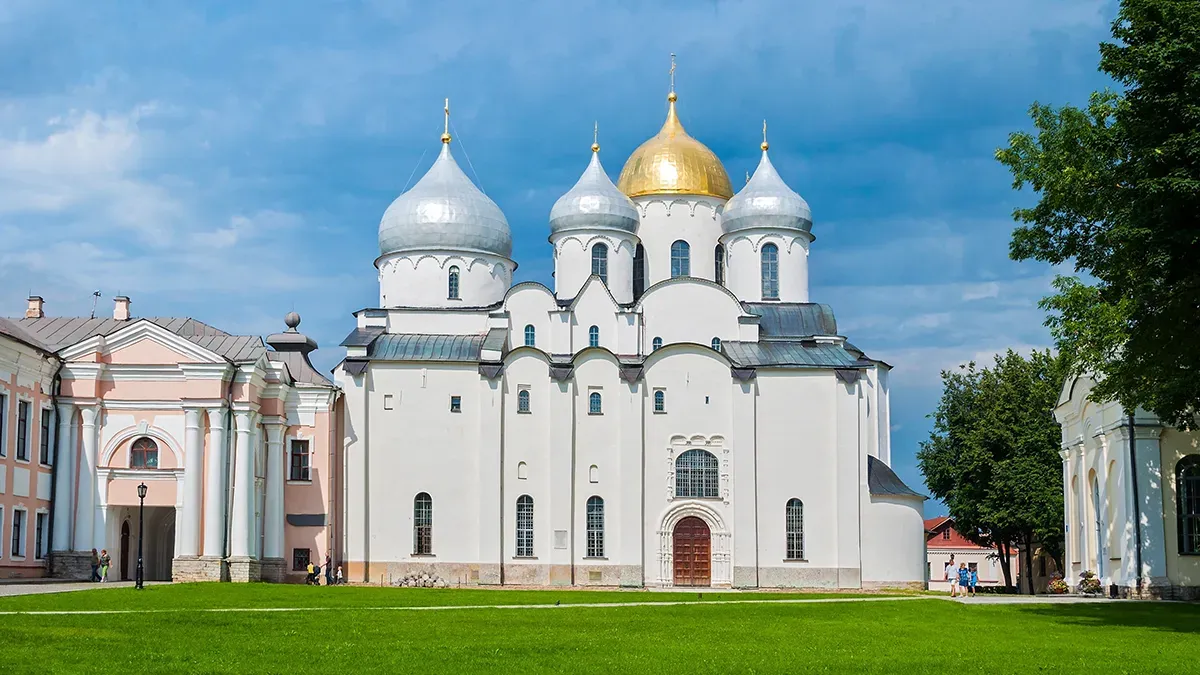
(143, 454)
(595, 527)
(639, 271)
(530, 336)
(594, 336)
(716, 344)
(600, 261)
(523, 401)
(660, 401)
(594, 404)
(681, 259)
(656, 344)
(593, 474)
(795, 529)
(770, 272)
(1187, 485)
(719, 260)
(525, 526)
(452, 283)
(697, 475)
(423, 524)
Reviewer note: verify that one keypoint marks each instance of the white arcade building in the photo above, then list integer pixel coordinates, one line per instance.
(674, 412)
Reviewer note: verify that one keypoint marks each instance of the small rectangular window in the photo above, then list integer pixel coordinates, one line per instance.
(23, 430)
(3, 425)
(388, 403)
(44, 439)
(300, 559)
(18, 534)
(455, 404)
(300, 460)
(946, 534)
(39, 544)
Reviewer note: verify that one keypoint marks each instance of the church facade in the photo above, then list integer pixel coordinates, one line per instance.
(674, 412)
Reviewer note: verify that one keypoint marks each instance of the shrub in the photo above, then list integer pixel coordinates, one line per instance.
(1088, 583)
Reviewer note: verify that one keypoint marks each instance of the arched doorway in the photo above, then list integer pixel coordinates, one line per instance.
(124, 550)
(692, 553)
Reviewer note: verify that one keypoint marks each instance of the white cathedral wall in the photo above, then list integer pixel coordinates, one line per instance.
(893, 550)
(598, 442)
(595, 308)
(421, 279)
(436, 321)
(683, 311)
(665, 219)
(743, 267)
(532, 305)
(573, 262)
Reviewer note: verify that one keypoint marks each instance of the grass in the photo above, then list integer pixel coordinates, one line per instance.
(915, 635)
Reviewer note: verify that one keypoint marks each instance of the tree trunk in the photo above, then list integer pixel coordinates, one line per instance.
(1005, 566)
(1027, 563)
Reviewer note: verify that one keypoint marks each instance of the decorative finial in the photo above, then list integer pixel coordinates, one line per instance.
(446, 129)
(764, 145)
(595, 137)
(671, 96)
(291, 321)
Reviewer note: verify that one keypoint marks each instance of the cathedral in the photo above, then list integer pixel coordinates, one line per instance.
(673, 412)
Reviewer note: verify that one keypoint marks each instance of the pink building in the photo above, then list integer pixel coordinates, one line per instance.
(236, 441)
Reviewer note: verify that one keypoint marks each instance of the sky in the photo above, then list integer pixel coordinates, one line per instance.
(230, 161)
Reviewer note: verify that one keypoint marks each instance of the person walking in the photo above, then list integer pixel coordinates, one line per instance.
(309, 579)
(950, 574)
(316, 575)
(973, 581)
(328, 570)
(963, 577)
(105, 562)
(340, 579)
(95, 566)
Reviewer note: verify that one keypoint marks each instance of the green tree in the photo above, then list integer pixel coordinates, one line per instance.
(1118, 187)
(992, 456)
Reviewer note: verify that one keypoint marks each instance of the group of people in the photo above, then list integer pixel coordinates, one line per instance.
(963, 580)
(331, 578)
(100, 563)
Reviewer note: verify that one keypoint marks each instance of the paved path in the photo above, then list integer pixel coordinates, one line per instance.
(40, 587)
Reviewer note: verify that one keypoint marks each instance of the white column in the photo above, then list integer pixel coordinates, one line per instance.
(240, 527)
(214, 489)
(86, 504)
(193, 482)
(274, 516)
(1150, 507)
(490, 523)
(100, 513)
(64, 478)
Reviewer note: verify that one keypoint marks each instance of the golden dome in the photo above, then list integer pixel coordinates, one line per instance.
(674, 163)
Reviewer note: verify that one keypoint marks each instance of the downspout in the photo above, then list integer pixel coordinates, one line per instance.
(757, 524)
(334, 433)
(1137, 520)
(55, 391)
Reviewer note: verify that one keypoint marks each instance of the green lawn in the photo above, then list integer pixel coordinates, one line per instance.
(914, 635)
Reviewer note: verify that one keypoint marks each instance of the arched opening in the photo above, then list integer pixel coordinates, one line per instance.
(524, 526)
(719, 261)
(123, 561)
(530, 336)
(794, 523)
(595, 527)
(656, 344)
(143, 454)
(595, 403)
(452, 283)
(692, 553)
(716, 344)
(523, 401)
(423, 524)
(1097, 525)
(594, 336)
(1187, 498)
(697, 475)
(639, 271)
(600, 261)
(681, 259)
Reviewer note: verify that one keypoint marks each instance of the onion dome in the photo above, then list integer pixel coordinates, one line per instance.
(445, 210)
(672, 162)
(594, 203)
(766, 201)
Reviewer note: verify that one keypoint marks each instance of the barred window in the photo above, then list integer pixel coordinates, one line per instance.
(595, 527)
(523, 401)
(143, 454)
(660, 401)
(795, 529)
(530, 336)
(697, 475)
(639, 271)
(299, 463)
(656, 344)
(716, 344)
(300, 559)
(595, 404)
(600, 261)
(1187, 482)
(594, 336)
(525, 526)
(452, 283)
(719, 260)
(770, 272)
(423, 524)
(681, 259)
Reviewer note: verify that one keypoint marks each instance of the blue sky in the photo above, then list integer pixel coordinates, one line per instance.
(231, 161)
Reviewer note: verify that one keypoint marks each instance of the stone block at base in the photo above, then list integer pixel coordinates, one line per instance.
(193, 568)
(71, 565)
(275, 570)
(244, 570)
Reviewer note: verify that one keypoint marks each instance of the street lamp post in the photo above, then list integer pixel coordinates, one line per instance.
(141, 520)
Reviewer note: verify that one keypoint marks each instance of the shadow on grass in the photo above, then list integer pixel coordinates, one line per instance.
(1166, 616)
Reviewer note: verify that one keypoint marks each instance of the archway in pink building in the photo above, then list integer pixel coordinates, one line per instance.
(123, 561)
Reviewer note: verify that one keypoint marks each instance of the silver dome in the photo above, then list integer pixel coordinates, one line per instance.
(444, 210)
(766, 201)
(594, 203)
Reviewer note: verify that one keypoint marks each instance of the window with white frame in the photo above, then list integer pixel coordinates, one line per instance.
(600, 261)
(530, 336)
(523, 401)
(298, 454)
(423, 524)
(143, 454)
(595, 527)
(41, 519)
(794, 523)
(452, 283)
(455, 404)
(681, 259)
(660, 401)
(595, 403)
(44, 455)
(18, 534)
(3, 424)
(656, 344)
(525, 526)
(770, 272)
(594, 336)
(697, 475)
(716, 344)
(23, 408)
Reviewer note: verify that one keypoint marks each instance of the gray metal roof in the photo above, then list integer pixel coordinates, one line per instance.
(766, 201)
(362, 337)
(11, 328)
(795, 354)
(783, 320)
(496, 339)
(427, 347)
(594, 203)
(60, 332)
(300, 368)
(881, 480)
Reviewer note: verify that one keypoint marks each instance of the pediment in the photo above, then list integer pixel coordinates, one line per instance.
(142, 343)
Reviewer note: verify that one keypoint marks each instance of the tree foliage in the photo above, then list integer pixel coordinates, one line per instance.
(1118, 186)
(992, 456)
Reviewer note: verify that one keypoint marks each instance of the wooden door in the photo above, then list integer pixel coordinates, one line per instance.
(692, 553)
